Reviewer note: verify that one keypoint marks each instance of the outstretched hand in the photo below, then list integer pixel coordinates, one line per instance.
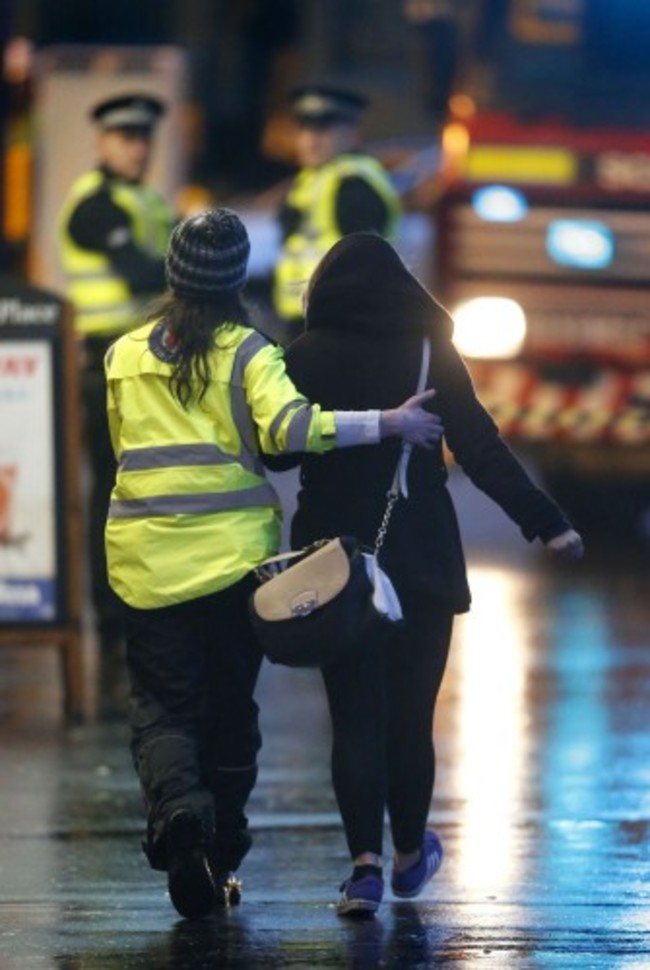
(568, 545)
(411, 422)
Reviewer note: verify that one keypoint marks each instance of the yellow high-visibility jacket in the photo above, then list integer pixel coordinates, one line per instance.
(102, 299)
(313, 194)
(192, 511)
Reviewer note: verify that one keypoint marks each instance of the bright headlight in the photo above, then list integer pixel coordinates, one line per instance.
(489, 326)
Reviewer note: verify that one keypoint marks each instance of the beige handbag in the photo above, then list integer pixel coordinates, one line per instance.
(321, 603)
(319, 573)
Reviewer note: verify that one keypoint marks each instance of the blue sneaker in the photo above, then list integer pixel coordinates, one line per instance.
(360, 897)
(410, 882)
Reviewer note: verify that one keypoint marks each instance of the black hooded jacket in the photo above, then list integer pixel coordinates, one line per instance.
(366, 319)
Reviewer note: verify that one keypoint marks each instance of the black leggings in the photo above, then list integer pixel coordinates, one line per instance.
(382, 705)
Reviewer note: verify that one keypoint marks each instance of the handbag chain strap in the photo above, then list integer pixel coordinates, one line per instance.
(398, 484)
(393, 495)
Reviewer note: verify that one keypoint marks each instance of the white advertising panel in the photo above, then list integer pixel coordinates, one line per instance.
(28, 567)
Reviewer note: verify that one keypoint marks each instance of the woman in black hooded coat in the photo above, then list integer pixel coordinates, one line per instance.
(366, 317)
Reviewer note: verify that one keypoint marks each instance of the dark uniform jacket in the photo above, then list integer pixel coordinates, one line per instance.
(362, 349)
(98, 223)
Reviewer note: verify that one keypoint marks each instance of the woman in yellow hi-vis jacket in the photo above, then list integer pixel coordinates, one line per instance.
(194, 398)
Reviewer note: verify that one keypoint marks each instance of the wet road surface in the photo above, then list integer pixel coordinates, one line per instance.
(542, 800)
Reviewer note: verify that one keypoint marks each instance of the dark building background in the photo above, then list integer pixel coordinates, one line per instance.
(244, 57)
(584, 58)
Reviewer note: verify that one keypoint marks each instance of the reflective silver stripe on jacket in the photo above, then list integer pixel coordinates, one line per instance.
(241, 415)
(173, 456)
(298, 430)
(241, 412)
(194, 504)
(94, 274)
(247, 349)
(106, 308)
(298, 426)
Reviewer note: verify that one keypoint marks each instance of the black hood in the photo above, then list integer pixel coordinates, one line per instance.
(362, 286)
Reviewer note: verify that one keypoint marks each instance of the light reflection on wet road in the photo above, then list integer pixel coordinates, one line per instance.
(542, 800)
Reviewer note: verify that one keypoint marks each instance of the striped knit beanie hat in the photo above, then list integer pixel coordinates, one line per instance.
(207, 254)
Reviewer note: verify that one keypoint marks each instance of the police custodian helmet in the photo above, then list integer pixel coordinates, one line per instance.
(323, 105)
(128, 111)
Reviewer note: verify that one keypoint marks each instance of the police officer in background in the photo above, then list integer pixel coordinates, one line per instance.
(338, 190)
(113, 233)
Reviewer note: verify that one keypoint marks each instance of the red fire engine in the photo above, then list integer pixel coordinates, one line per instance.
(543, 257)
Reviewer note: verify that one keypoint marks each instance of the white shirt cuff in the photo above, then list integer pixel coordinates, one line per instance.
(356, 428)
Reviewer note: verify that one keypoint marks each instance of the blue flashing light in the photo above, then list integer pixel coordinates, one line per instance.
(499, 203)
(580, 243)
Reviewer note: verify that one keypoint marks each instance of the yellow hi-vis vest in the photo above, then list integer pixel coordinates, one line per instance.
(313, 194)
(192, 511)
(102, 299)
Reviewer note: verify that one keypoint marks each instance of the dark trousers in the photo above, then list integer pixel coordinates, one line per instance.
(97, 442)
(193, 669)
(382, 704)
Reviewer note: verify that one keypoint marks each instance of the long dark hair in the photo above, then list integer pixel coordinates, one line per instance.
(191, 326)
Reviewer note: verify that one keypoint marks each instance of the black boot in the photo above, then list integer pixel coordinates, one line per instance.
(191, 886)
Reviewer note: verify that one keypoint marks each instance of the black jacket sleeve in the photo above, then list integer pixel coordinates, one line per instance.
(288, 220)
(281, 463)
(359, 207)
(479, 449)
(100, 225)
